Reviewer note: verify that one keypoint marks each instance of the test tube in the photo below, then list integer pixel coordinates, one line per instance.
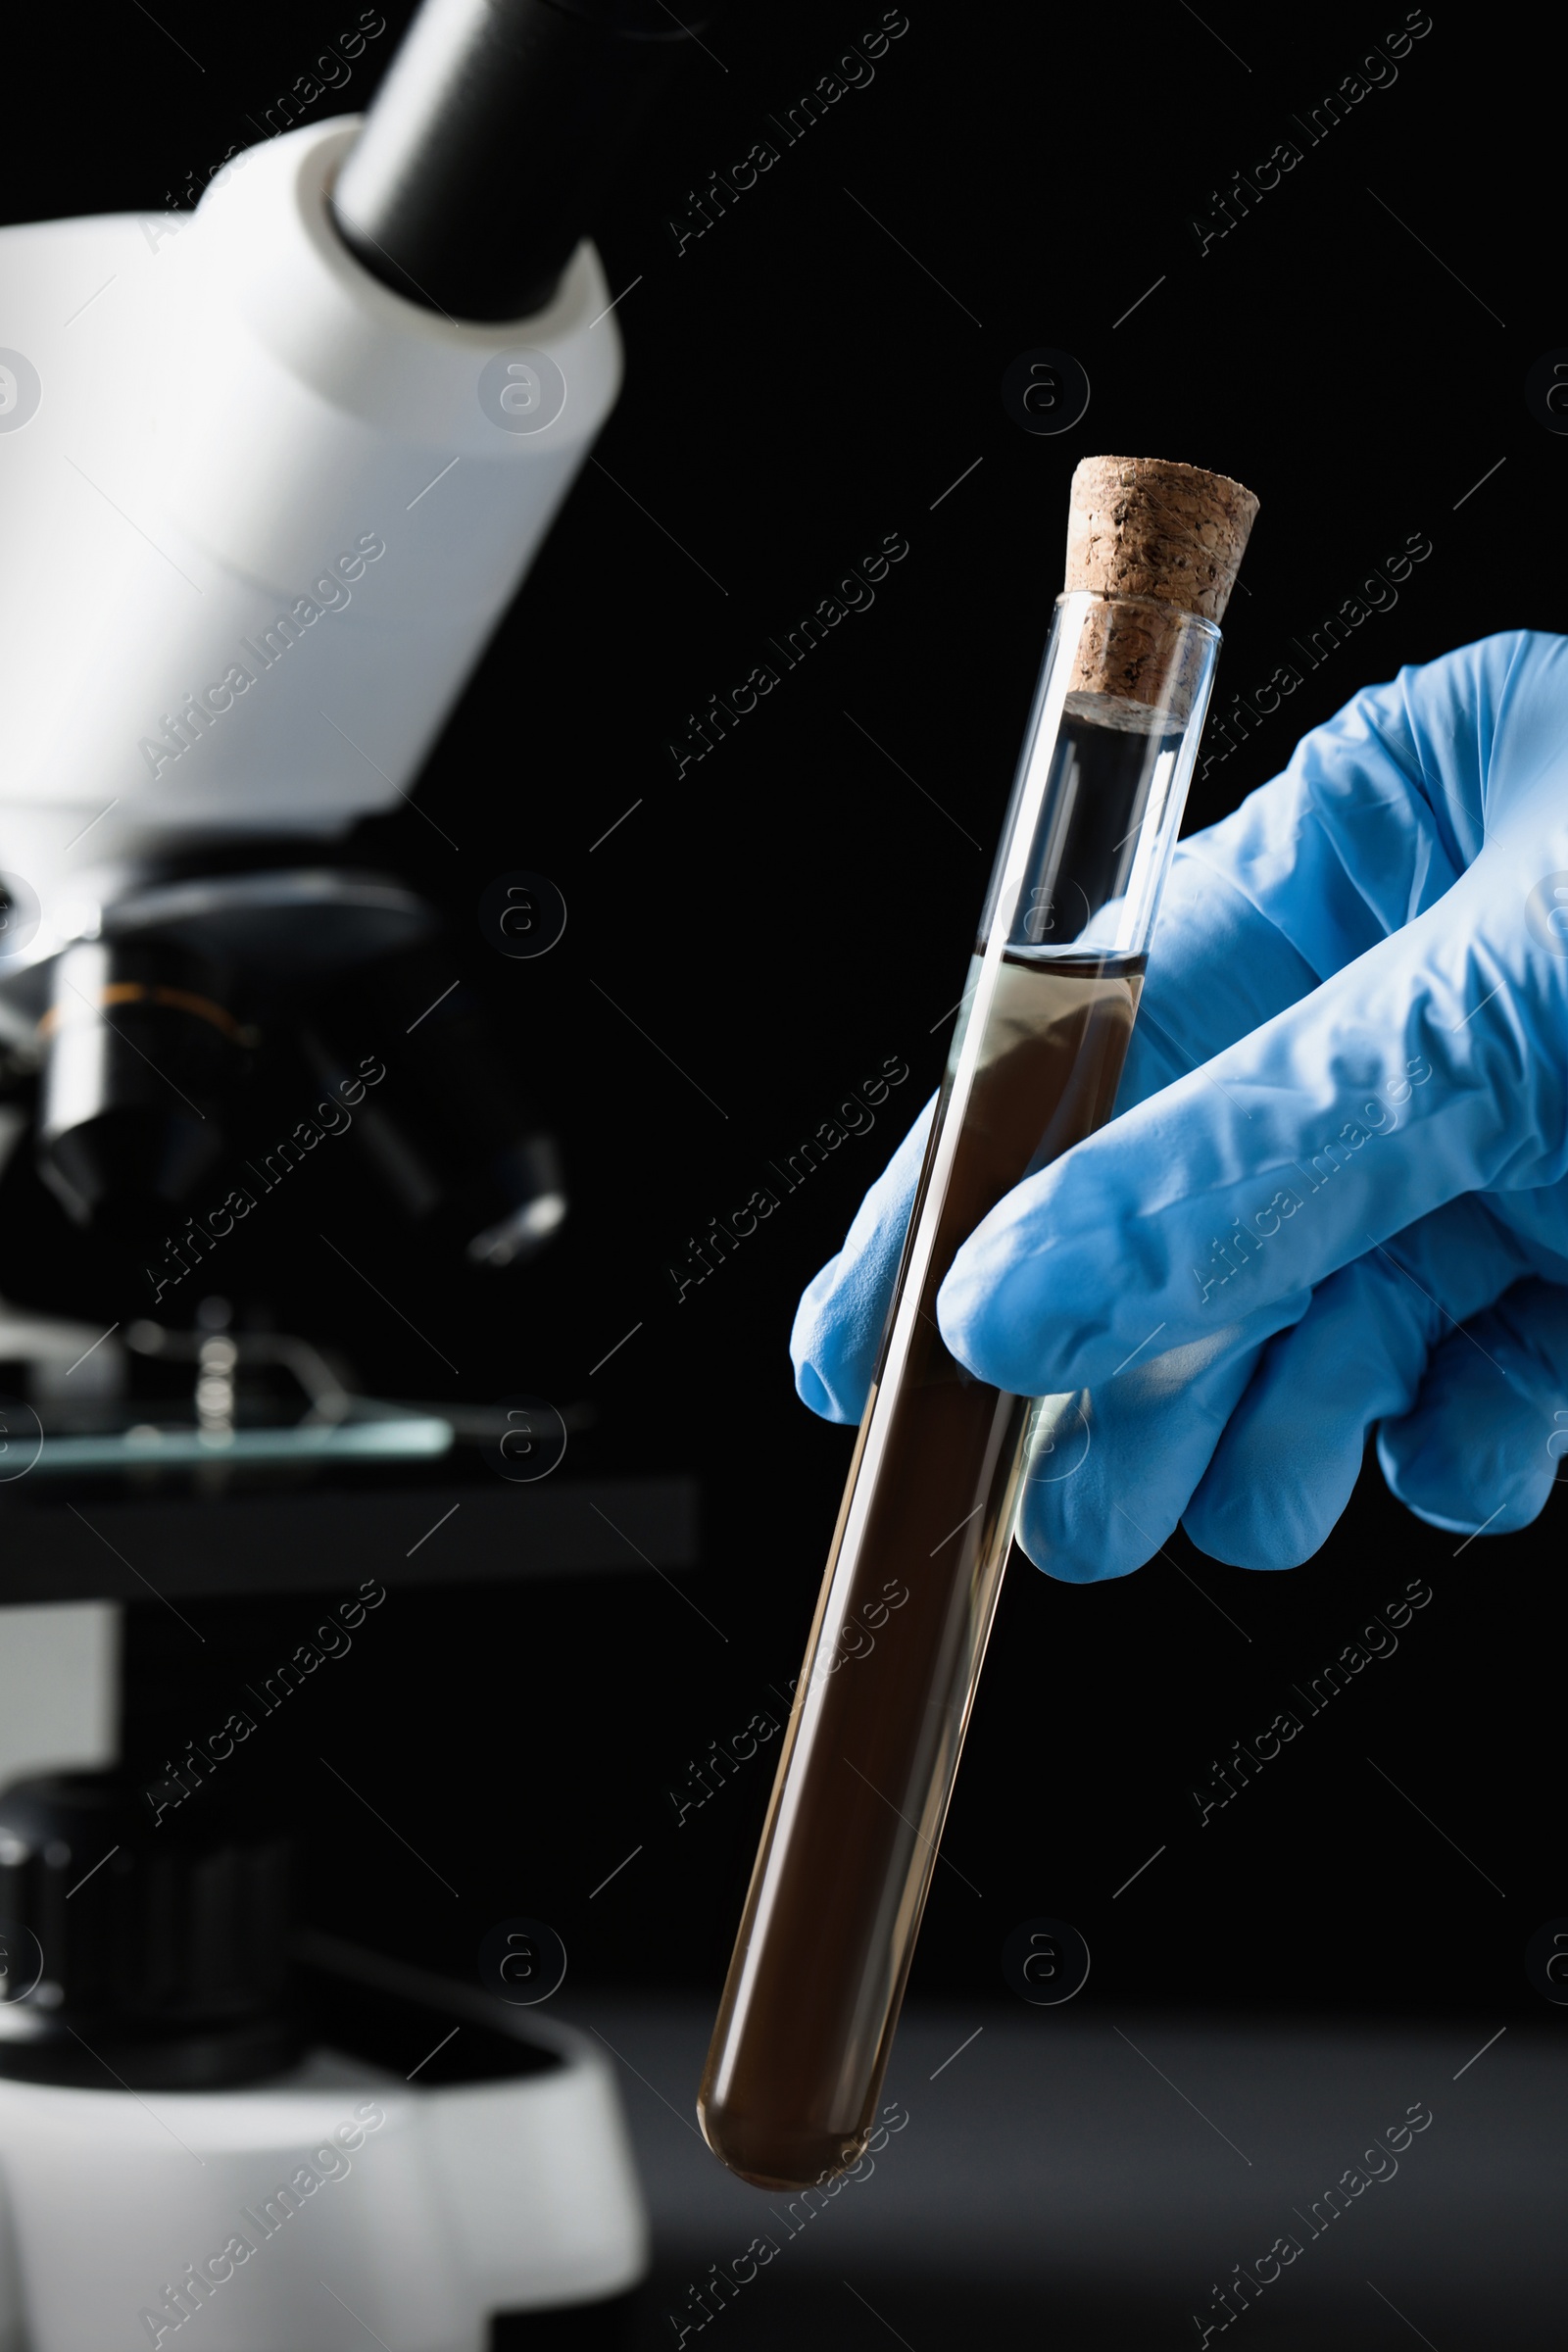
(868, 1762)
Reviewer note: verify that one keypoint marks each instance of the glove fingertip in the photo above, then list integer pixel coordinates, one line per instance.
(1080, 1547)
(1445, 1486)
(1068, 1566)
(1262, 1507)
(1269, 1539)
(812, 1390)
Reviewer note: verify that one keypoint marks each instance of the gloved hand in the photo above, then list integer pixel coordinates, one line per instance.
(1333, 1193)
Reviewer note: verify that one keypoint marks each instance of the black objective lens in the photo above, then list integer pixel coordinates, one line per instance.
(138, 1045)
(450, 1133)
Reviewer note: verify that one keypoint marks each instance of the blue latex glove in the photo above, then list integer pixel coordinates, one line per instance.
(1332, 1198)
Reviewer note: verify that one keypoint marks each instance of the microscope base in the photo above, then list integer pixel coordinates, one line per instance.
(467, 2197)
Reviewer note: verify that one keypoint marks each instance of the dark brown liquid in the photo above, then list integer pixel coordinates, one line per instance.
(807, 2022)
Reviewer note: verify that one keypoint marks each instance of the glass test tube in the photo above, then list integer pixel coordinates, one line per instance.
(867, 1768)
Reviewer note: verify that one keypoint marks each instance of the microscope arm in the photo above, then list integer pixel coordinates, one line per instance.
(263, 522)
(270, 473)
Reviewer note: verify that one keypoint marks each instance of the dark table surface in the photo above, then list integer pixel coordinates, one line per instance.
(1070, 2181)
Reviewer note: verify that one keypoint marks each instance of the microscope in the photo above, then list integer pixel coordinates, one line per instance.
(284, 462)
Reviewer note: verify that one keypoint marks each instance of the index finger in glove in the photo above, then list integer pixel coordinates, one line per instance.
(1407, 1079)
(1375, 817)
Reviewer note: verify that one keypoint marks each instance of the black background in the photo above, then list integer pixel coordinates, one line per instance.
(793, 910)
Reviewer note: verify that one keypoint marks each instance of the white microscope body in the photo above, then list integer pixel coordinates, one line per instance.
(261, 516)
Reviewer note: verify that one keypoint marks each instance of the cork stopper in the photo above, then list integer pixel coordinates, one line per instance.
(1146, 526)
(1153, 529)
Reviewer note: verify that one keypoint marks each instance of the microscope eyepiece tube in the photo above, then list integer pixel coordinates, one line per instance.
(914, 1574)
(487, 147)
